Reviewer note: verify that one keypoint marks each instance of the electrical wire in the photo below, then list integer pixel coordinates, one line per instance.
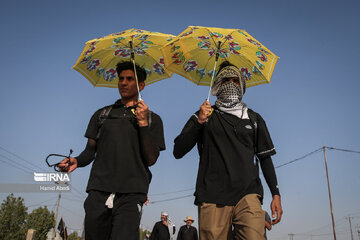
(72, 212)
(18, 157)
(300, 158)
(343, 150)
(38, 204)
(171, 199)
(14, 165)
(165, 193)
(287, 163)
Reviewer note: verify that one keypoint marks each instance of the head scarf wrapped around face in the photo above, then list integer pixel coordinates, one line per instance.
(229, 94)
(228, 72)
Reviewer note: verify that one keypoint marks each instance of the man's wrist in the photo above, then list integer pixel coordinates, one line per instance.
(276, 196)
(143, 123)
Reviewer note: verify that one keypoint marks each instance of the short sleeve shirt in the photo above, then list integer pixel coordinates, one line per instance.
(118, 165)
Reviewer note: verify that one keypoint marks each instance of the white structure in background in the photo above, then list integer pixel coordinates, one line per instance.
(50, 234)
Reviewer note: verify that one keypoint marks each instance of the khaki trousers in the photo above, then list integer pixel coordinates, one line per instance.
(247, 218)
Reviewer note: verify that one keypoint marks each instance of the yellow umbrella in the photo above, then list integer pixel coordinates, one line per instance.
(98, 60)
(195, 53)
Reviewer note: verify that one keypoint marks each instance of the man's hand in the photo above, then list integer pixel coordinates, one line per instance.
(268, 225)
(165, 223)
(205, 110)
(68, 166)
(276, 209)
(141, 113)
(147, 200)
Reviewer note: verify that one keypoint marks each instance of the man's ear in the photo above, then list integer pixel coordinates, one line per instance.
(141, 85)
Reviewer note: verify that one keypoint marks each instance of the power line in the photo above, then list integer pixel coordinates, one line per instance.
(78, 192)
(157, 194)
(171, 199)
(22, 159)
(72, 199)
(13, 165)
(343, 150)
(287, 163)
(72, 212)
(14, 162)
(300, 158)
(38, 204)
(316, 151)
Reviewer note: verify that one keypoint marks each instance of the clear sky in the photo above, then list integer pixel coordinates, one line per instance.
(312, 100)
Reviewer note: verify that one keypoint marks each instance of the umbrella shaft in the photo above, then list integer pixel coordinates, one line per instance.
(212, 80)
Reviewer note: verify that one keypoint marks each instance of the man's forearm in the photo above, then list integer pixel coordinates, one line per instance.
(148, 150)
(268, 170)
(88, 155)
(187, 139)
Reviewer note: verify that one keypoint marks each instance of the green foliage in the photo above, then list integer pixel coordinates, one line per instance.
(13, 214)
(73, 236)
(42, 220)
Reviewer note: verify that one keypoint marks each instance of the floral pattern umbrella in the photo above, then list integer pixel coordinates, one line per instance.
(99, 57)
(195, 53)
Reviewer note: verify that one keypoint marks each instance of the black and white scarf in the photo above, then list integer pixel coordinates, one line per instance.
(229, 94)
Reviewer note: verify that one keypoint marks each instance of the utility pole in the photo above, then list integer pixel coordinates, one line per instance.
(351, 233)
(291, 235)
(331, 207)
(57, 209)
(358, 231)
(56, 215)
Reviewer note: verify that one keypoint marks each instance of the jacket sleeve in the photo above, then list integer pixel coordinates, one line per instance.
(188, 137)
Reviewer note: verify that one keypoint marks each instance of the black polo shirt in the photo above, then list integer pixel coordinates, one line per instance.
(227, 170)
(118, 165)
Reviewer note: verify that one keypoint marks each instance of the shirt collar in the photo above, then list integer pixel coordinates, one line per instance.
(118, 103)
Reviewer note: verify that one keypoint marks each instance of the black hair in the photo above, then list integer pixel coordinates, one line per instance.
(128, 65)
(226, 64)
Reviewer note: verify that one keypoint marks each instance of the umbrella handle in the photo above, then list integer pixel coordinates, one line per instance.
(211, 112)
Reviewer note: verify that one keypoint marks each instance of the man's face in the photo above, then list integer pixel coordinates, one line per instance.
(188, 223)
(163, 217)
(127, 85)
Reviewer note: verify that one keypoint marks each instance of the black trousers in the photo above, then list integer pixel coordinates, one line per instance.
(117, 223)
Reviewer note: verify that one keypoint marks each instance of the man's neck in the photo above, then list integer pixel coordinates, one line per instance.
(129, 102)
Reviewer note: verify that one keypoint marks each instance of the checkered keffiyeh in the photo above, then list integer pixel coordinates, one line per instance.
(228, 72)
(229, 94)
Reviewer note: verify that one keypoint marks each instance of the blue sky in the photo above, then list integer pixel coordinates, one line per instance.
(312, 99)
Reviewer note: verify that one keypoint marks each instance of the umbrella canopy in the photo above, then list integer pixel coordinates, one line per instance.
(195, 52)
(98, 60)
